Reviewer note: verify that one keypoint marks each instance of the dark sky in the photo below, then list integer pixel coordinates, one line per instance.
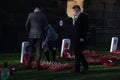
(13, 15)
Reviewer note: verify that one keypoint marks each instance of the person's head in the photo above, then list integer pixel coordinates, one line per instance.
(76, 9)
(37, 9)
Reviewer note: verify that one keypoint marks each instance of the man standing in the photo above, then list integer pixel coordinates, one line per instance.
(81, 27)
(35, 25)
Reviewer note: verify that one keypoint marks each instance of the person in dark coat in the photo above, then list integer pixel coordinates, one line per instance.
(36, 25)
(50, 43)
(81, 28)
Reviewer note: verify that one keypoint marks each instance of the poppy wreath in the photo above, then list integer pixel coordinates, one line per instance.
(55, 65)
(105, 60)
(67, 55)
(107, 63)
(46, 65)
(9, 67)
(93, 54)
(116, 52)
(60, 67)
(25, 58)
(93, 60)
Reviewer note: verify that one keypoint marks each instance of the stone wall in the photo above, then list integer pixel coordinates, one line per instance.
(104, 15)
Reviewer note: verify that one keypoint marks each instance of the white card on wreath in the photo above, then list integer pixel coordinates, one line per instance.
(114, 44)
(65, 45)
(23, 50)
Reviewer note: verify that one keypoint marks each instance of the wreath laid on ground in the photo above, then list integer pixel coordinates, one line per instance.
(45, 64)
(105, 60)
(93, 58)
(116, 52)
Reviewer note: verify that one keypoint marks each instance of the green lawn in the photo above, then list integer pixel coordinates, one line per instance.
(97, 72)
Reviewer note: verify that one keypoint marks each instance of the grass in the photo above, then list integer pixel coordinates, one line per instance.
(97, 72)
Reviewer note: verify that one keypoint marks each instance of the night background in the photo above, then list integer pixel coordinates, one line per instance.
(104, 23)
(104, 18)
(13, 17)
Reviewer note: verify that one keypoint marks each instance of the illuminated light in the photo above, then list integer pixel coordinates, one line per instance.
(71, 3)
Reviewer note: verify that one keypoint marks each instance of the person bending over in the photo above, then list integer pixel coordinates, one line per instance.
(50, 43)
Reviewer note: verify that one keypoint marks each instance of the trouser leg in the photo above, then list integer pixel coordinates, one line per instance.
(47, 55)
(53, 55)
(31, 44)
(38, 51)
(52, 47)
(83, 60)
(77, 62)
(79, 57)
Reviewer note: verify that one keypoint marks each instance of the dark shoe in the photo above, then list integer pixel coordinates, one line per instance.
(38, 69)
(84, 71)
(29, 68)
(74, 71)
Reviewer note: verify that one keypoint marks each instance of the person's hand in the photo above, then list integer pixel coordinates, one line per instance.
(43, 45)
(81, 40)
